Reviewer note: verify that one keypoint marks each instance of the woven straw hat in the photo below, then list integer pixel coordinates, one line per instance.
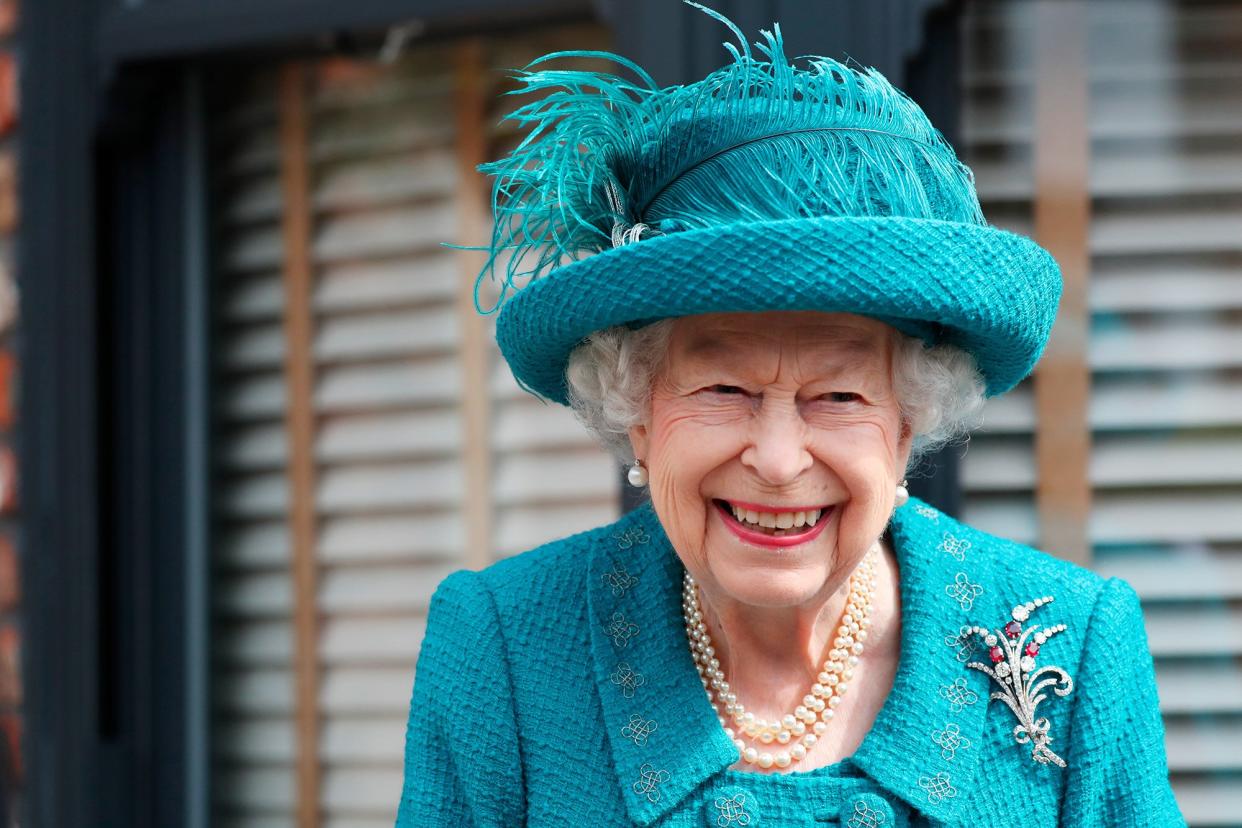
(763, 186)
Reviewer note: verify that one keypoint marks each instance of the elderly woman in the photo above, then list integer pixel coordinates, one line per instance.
(796, 296)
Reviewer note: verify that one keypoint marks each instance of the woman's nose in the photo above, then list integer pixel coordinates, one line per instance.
(778, 452)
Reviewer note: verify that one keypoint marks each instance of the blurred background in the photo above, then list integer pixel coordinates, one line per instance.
(249, 417)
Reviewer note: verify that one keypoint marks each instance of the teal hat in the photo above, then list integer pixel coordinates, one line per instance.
(763, 186)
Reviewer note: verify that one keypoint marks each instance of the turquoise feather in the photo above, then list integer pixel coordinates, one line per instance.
(610, 160)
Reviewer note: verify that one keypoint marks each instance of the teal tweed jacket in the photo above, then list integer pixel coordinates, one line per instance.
(556, 688)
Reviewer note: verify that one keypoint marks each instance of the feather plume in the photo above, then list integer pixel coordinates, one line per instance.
(610, 161)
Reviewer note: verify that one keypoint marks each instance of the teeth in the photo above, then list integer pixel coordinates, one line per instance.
(777, 520)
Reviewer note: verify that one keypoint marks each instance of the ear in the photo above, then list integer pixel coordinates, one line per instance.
(639, 441)
(905, 443)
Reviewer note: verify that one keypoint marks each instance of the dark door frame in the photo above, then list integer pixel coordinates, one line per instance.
(106, 381)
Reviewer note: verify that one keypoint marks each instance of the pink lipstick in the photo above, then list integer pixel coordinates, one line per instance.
(760, 538)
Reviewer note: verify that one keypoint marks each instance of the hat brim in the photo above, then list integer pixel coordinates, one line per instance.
(988, 291)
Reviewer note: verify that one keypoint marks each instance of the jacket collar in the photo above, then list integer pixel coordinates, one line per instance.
(924, 744)
(654, 706)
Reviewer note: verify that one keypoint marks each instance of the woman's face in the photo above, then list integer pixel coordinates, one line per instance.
(787, 417)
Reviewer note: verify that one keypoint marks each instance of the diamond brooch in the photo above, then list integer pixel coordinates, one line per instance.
(1012, 651)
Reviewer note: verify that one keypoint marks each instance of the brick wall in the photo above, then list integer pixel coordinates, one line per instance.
(11, 770)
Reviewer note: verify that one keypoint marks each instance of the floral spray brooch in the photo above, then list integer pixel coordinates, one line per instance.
(1023, 685)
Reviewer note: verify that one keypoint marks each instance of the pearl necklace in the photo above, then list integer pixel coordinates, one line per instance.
(818, 706)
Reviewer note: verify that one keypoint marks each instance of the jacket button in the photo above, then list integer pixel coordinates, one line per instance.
(868, 810)
(732, 807)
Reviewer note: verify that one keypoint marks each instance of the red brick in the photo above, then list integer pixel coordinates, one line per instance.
(11, 733)
(10, 666)
(10, 583)
(8, 93)
(8, 194)
(8, 17)
(8, 298)
(8, 480)
(7, 388)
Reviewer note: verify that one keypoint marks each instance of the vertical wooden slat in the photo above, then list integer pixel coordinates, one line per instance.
(300, 425)
(1062, 222)
(472, 220)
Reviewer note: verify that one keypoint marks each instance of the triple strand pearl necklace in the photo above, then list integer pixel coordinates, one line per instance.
(810, 719)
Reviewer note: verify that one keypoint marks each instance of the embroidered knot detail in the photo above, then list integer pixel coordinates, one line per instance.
(649, 782)
(621, 630)
(958, 695)
(938, 787)
(950, 740)
(639, 729)
(619, 580)
(963, 591)
(963, 644)
(866, 817)
(732, 810)
(634, 536)
(954, 546)
(628, 679)
(928, 512)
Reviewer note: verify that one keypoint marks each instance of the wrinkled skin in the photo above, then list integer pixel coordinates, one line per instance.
(786, 408)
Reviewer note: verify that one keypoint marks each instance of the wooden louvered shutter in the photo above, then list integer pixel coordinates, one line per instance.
(550, 478)
(998, 470)
(1165, 347)
(252, 647)
(392, 500)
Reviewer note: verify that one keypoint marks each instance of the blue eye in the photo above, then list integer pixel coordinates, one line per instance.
(842, 396)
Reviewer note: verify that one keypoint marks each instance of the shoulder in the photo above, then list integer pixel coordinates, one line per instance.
(1013, 574)
(552, 574)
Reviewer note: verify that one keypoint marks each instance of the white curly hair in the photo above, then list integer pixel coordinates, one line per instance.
(939, 388)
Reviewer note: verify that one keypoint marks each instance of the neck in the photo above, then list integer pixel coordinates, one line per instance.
(771, 655)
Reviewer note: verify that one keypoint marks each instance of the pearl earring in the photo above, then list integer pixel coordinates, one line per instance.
(903, 493)
(637, 475)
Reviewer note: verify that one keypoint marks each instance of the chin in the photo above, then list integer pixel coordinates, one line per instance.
(780, 588)
(770, 577)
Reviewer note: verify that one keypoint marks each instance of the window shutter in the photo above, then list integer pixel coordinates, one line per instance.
(1165, 349)
(998, 471)
(550, 478)
(389, 433)
(252, 689)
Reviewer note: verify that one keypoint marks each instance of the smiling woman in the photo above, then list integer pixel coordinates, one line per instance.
(774, 414)
(793, 294)
(774, 444)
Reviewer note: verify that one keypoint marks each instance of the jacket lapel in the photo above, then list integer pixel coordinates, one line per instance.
(663, 732)
(925, 743)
